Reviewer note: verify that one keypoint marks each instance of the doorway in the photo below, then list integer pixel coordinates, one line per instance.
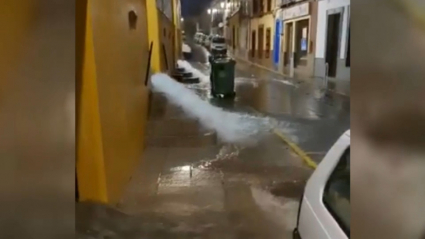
(301, 42)
(288, 40)
(253, 41)
(332, 43)
(260, 41)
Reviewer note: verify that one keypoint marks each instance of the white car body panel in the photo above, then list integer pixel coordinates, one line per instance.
(315, 221)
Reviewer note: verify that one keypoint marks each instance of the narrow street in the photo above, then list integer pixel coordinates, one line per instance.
(310, 118)
(192, 185)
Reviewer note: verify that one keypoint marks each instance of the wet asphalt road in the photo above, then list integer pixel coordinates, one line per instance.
(191, 185)
(312, 119)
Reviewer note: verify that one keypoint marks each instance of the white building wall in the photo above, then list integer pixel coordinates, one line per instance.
(324, 6)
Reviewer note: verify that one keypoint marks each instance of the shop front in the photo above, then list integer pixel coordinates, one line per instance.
(299, 23)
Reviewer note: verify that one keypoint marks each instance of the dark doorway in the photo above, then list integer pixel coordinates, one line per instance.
(332, 43)
(253, 41)
(347, 61)
(260, 41)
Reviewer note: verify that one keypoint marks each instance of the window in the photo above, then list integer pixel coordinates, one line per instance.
(269, 5)
(336, 196)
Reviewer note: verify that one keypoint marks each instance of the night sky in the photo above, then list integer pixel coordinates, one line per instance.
(193, 7)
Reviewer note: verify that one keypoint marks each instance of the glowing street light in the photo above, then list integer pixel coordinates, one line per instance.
(222, 4)
(209, 11)
(182, 19)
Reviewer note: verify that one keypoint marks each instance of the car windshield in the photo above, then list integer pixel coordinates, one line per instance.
(218, 40)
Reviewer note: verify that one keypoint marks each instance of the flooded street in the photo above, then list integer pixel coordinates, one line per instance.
(194, 183)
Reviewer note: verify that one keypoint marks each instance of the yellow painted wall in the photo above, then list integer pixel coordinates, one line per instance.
(167, 39)
(121, 56)
(268, 21)
(90, 157)
(154, 34)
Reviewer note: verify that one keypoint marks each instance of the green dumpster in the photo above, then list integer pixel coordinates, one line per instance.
(222, 76)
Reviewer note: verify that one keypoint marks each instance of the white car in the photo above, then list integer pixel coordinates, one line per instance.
(198, 37)
(218, 44)
(324, 211)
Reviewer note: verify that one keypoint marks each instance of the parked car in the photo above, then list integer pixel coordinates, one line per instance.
(198, 37)
(324, 211)
(218, 45)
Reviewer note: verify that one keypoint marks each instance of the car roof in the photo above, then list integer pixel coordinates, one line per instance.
(348, 133)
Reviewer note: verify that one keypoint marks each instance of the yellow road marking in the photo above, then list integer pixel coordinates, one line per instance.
(307, 160)
(296, 149)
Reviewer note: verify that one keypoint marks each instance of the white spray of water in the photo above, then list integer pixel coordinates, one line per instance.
(282, 211)
(230, 127)
(197, 73)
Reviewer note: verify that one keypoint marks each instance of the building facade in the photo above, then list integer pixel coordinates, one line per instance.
(298, 38)
(112, 95)
(277, 34)
(261, 31)
(298, 28)
(332, 55)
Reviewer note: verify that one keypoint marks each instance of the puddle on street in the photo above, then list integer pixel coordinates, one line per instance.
(289, 189)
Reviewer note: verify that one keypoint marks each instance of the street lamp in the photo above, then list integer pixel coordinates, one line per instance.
(209, 11)
(222, 4)
(182, 19)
